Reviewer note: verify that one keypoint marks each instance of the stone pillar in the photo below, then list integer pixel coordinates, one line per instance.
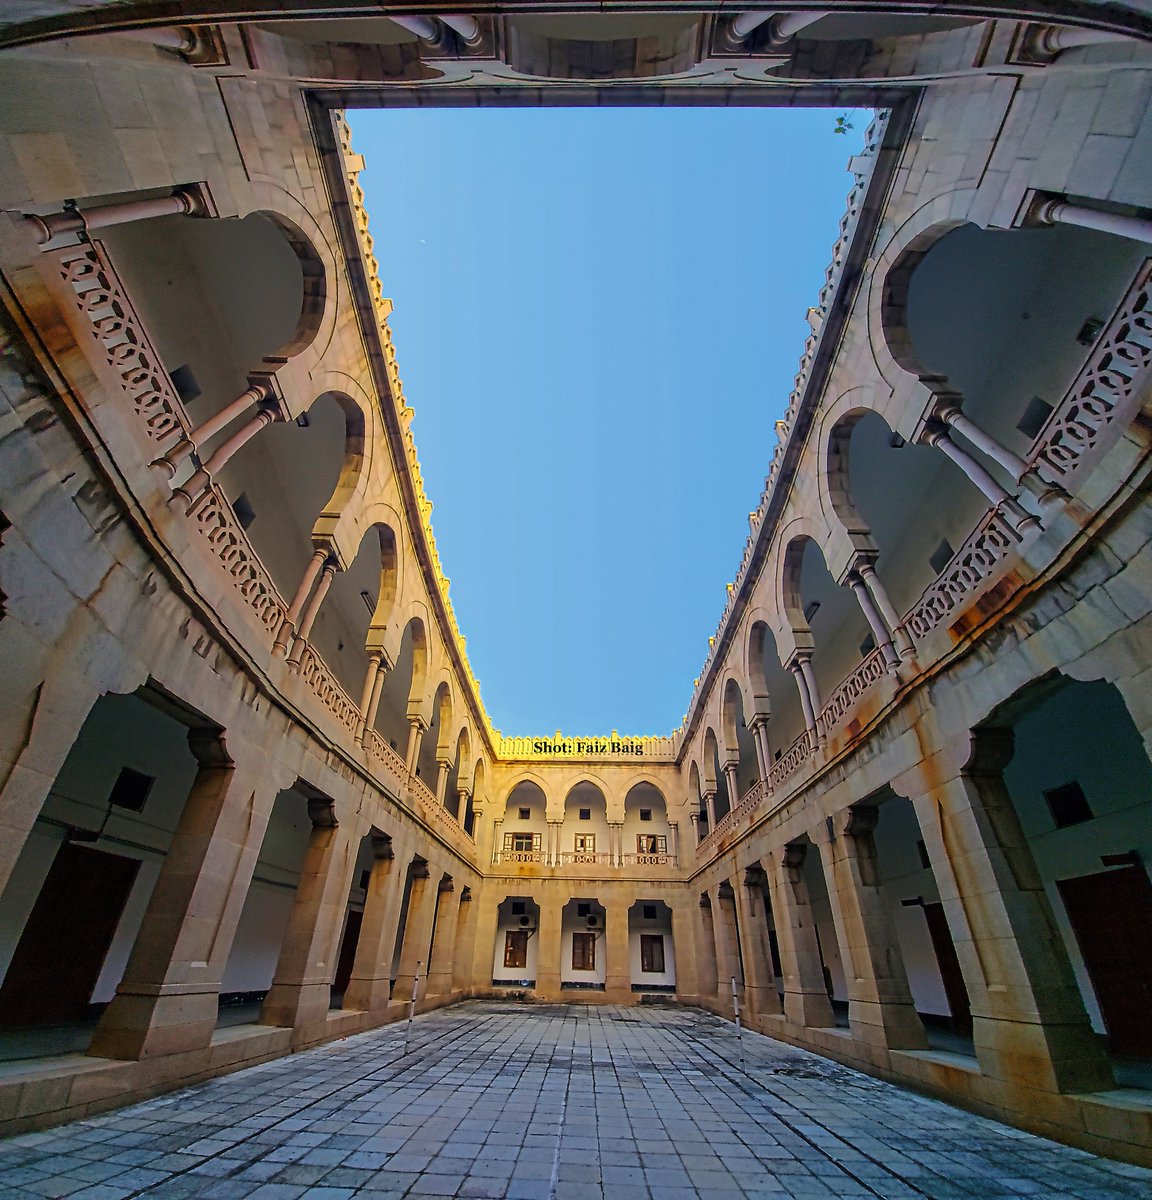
(182, 202)
(674, 842)
(464, 955)
(167, 1000)
(879, 593)
(414, 952)
(806, 1001)
(302, 986)
(726, 926)
(1029, 1021)
(484, 955)
(1052, 40)
(709, 972)
(615, 843)
(371, 977)
(710, 808)
(443, 767)
(311, 609)
(370, 694)
(758, 728)
(617, 964)
(872, 615)
(307, 583)
(808, 699)
(497, 839)
(37, 734)
(1056, 211)
(463, 796)
(978, 474)
(760, 993)
(443, 939)
(880, 1006)
(553, 851)
(548, 951)
(204, 433)
(416, 729)
(685, 951)
(187, 492)
(694, 818)
(731, 771)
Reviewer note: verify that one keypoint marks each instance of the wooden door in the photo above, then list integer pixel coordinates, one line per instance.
(955, 989)
(66, 938)
(1111, 916)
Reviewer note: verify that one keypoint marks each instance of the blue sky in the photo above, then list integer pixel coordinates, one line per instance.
(599, 315)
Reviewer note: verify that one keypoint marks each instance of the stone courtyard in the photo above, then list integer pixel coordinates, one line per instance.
(551, 1103)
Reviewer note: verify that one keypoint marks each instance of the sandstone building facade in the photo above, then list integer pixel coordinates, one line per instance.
(250, 799)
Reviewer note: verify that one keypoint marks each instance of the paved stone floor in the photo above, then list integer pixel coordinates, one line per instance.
(555, 1103)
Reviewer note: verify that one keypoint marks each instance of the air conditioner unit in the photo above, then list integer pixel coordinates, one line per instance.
(593, 922)
(525, 922)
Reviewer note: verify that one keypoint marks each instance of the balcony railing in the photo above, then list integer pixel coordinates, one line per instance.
(649, 860)
(518, 856)
(586, 857)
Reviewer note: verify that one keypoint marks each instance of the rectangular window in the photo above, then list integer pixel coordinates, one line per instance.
(525, 814)
(519, 908)
(651, 843)
(649, 912)
(131, 789)
(652, 953)
(583, 952)
(645, 814)
(516, 948)
(585, 814)
(584, 843)
(521, 843)
(1068, 805)
(583, 909)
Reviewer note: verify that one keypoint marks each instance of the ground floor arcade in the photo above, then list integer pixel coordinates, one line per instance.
(571, 1102)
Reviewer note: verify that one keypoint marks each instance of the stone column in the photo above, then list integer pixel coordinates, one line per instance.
(979, 475)
(685, 951)
(416, 729)
(167, 1000)
(555, 833)
(187, 492)
(36, 737)
(709, 971)
(875, 622)
(727, 944)
(204, 433)
(760, 993)
(615, 843)
(694, 818)
(443, 767)
(1056, 211)
(302, 986)
(879, 593)
(758, 728)
(880, 1006)
(484, 955)
(806, 1001)
(463, 796)
(1029, 1021)
(731, 770)
(497, 838)
(371, 977)
(443, 939)
(548, 951)
(674, 842)
(617, 965)
(370, 694)
(710, 808)
(307, 583)
(464, 955)
(414, 953)
(808, 699)
(311, 609)
(182, 202)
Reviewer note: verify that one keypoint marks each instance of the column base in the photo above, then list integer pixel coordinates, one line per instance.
(810, 1009)
(1066, 1058)
(891, 1026)
(147, 1026)
(762, 1002)
(368, 995)
(289, 1005)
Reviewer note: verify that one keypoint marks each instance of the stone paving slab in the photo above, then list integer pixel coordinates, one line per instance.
(552, 1103)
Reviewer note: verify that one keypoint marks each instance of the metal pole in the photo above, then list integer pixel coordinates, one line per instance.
(739, 1027)
(412, 1003)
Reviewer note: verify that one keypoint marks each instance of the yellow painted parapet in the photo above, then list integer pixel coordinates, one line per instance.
(572, 749)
